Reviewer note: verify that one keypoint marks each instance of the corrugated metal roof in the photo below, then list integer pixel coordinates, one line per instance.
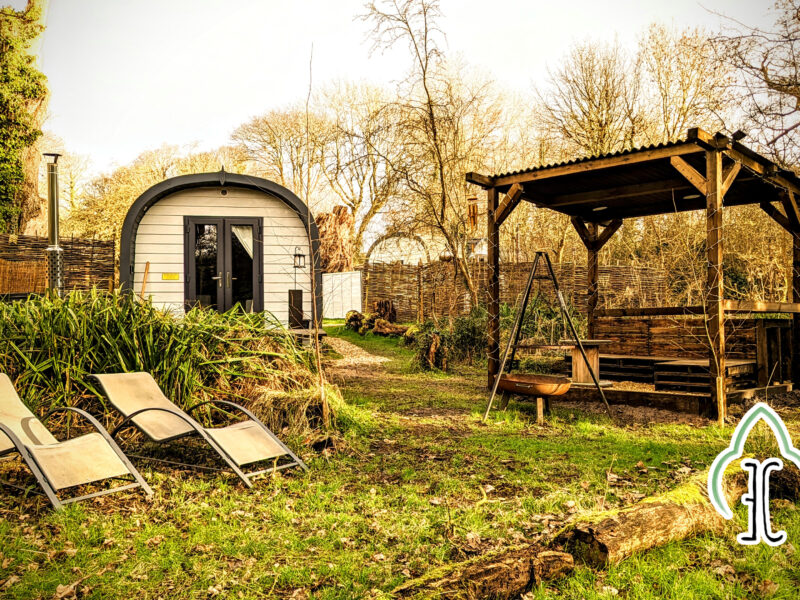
(583, 159)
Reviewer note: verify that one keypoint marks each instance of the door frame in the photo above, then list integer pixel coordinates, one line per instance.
(258, 260)
(224, 293)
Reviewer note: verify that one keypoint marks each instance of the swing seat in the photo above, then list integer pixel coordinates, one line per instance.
(534, 385)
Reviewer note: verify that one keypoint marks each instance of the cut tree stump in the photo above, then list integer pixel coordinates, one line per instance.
(504, 574)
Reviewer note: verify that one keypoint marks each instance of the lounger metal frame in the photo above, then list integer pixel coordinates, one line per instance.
(201, 431)
(47, 486)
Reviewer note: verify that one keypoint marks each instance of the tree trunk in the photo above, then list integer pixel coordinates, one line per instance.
(505, 574)
(681, 513)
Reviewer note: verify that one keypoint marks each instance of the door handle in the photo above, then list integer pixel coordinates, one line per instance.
(230, 279)
(218, 278)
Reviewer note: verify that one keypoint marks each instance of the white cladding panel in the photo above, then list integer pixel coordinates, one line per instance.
(159, 241)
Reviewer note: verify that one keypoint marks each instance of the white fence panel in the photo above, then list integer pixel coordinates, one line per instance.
(341, 292)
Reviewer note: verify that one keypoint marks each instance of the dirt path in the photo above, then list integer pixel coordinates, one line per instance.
(355, 361)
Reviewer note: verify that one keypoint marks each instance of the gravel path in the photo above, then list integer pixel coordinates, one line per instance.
(356, 362)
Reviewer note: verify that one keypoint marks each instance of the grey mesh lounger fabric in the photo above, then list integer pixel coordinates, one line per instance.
(140, 400)
(59, 465)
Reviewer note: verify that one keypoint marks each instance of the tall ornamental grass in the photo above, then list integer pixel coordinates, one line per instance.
(49, 346)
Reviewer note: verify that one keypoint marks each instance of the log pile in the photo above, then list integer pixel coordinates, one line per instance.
(385, 328)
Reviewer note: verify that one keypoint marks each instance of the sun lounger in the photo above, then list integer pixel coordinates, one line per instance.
(140, 400)
(60, 465)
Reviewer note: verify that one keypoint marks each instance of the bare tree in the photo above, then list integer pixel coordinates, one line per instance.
(770, 79)
(683, 83)
(358, 155)
(278, 144)
(593, 101)
(444, 122)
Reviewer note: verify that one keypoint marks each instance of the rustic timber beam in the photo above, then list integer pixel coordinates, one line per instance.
(792, 210)
(508, 205)
(690, 173)
(583, 232)
(617, 193)
(478, 179)
(729, 176)
(631, 158)
(650, 311)
(763, 307)
(739, 306)
(715, 310)
(700, 136)
(493, 286)
(591, 238)
(606, 234)
(778, 216)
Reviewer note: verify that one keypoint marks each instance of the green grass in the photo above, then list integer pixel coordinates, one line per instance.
(419, 484)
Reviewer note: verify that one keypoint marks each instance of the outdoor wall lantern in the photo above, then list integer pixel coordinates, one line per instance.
(299, 258)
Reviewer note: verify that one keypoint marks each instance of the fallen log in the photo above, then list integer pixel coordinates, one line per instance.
(504, 574)
(383, 327)
(609, 537)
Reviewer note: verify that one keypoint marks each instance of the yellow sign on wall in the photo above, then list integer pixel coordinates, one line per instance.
(170, 276)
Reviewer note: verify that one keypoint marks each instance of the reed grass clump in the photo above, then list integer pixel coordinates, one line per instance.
(49, 346)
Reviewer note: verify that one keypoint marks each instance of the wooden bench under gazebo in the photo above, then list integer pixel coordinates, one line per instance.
(702, 172)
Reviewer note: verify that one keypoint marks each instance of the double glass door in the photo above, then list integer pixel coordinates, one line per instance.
(223, 262)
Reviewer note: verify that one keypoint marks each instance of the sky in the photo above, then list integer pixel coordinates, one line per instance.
(130, 75)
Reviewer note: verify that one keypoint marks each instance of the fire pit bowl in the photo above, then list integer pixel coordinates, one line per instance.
(534, 385)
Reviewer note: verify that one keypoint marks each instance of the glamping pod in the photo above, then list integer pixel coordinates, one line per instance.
(222, 239)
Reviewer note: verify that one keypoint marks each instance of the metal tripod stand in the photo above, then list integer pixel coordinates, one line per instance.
(516, 330)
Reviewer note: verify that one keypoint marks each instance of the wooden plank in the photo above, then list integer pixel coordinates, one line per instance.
(583, 232)
(598, 163)
(692, 176)
(493, 284)
(730, 176)
(610, 230)
(478, 179)
(792, 211)
(796, 318)
(749, 393)
(649, 311)
(617, 193)
(509, 203)
(715, 318)
(777, 216)
(762, 307)
(676, 401)
(592, 281)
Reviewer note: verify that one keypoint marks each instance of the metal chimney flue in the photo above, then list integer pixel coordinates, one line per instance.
(55, 259)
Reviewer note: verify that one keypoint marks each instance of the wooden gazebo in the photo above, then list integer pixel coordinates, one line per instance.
(703, 171)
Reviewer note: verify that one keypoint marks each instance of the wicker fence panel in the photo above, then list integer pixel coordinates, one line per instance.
(23, 264)
(438, 290)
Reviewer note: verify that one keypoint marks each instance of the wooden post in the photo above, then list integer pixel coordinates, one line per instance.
(715, 313)
(796, 317)
(493, 287)
(593, 291)
(539, 410)
(420, 298)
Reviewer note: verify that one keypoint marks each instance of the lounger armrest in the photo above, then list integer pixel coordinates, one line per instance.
(95, 423)
(13, 437)
(233, 405)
